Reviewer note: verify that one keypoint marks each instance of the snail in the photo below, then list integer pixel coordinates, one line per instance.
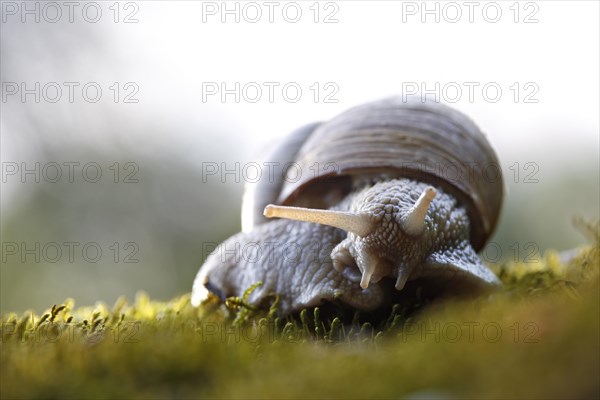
(385, 194)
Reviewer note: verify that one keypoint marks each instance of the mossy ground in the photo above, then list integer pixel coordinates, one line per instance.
(537, 337)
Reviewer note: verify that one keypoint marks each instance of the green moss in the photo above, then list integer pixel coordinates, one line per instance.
(537, 337)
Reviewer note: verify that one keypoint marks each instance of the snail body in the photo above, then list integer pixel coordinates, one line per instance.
(376, 213)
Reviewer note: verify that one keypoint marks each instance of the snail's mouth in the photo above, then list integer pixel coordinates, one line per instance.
(352, 273)
(378, 272)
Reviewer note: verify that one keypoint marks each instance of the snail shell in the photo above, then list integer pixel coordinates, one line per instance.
(427, 142)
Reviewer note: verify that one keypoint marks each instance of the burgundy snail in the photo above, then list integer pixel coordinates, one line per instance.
(386, 193)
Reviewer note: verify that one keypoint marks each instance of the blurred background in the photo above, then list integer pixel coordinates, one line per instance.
(131, 209)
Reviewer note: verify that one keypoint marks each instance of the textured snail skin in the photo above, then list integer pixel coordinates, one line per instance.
(295, 260)
(292, 260)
